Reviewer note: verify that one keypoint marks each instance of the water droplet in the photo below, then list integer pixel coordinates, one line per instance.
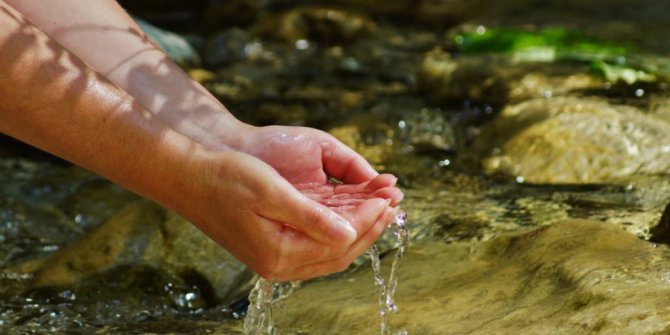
(301, 44)
(639, 92)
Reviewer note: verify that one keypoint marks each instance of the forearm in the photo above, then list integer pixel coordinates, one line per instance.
(54, 101)
(105, 37)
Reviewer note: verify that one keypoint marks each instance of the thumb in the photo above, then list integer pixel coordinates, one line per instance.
(315, 220)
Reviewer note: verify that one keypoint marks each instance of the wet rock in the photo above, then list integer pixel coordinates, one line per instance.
(661, 232)
(444, 78)
(201, 75)
(324, 25)
(573, 277)
(145, 235)
(354, 137)
(235, 45)
(428, 130)
(497, 79)
(427, 12)
(175, 46)
(569, 140)
(228, 13)
(660, 106)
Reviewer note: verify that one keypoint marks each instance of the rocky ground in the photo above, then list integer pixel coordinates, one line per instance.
(529, 138)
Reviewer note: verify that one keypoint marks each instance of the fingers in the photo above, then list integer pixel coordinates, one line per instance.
(365, 215)
(382, 186)
(297, 249)
(342, 262)
(345, 164)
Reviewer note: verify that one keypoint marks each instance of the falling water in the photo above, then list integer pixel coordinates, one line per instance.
(265, 295)
(386, 290)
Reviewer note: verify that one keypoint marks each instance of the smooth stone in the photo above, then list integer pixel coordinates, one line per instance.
(145, 235)
(572, 277)
(574, 141)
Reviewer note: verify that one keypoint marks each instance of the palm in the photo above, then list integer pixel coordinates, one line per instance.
(307, 158)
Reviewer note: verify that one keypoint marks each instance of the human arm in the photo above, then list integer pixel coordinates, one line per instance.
(104, 36)
(53, 100)
(107, 38)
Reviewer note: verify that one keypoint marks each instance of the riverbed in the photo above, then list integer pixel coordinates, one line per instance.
(530, 139)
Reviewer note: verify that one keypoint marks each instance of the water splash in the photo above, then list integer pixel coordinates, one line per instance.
(263, 297)
(386, 290)
(266, 294)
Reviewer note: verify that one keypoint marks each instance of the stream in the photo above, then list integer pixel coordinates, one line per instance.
(530, 140)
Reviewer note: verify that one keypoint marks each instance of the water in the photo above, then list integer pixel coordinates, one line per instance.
(386, 289)
(267, 295)
(262, 299)
(372, 93)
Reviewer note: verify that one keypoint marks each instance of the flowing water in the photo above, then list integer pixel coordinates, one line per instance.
(386, 288)
(266, 296)
(263, 298)
(529, 138)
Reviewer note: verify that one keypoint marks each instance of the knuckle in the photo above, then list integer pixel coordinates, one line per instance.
(342, 265)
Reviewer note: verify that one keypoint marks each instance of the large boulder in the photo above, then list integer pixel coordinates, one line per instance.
(573, 140)
(144, 235)
(572, 277)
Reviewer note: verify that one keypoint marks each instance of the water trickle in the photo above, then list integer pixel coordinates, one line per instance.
(386, 290)
(266, 294)
(263, 297)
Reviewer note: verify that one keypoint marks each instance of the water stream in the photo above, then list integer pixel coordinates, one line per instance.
(386, 289)
(267, 295)
(487, 142)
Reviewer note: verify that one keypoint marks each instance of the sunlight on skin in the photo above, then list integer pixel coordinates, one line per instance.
(263, 193)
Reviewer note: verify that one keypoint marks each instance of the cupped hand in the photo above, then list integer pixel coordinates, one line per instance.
(278, 231)
(308, 158)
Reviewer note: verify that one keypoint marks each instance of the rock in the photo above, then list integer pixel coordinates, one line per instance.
(353, 136)
(428, 130)
(497, 79)
(227, 13)
(201, 75)
(321, 24)
(426, 12)
(573, 277)
(571, 140)
(661, 232)
(175, 46)
(145, 235)
(660, 106)
(444, 79)
(235, 45)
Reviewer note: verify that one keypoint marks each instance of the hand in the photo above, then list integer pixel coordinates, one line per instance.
(308, 157)
(248, 208)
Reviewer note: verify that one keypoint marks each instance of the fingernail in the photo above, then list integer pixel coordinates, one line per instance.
(346, 229)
